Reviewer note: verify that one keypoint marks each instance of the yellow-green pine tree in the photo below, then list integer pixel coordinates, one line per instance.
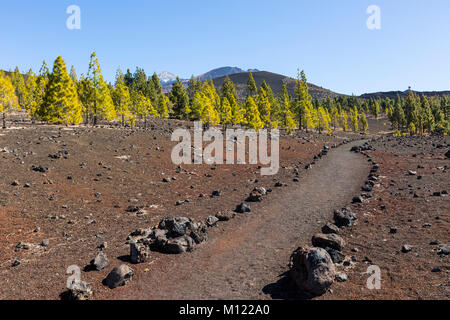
(264, 106)
(344, 119)
(252, 118)
(8, 98)
(121, 98)
(18, 82)
(61, 104)
(364, 123)
(102, 103)
(354, 118)
(287, 118)
(226, 115)
(303, 105)
(30, 97)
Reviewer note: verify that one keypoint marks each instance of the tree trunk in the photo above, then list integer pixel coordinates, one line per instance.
(4, 121)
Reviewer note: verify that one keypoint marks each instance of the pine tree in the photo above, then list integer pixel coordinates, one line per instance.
(8, 98)
(228, 92)
(264, 107)
(375, 108)
(180, 100)
(344, 119)
(30, 98)
(287, 118)
(226, 115)
(322, 119)
(18, 82)
(275, 109)
(61, 104)
(251, 85)
(121, 98)
(252, 118)
(427, 114)
(159, 100)
(354, 118)
(236, 111)
(194, 86)
(334, 115)
(412, 105)
(204, 105)
(398, 116)
(364, 123)
(142, 107)
(102, 104)
(303, 106)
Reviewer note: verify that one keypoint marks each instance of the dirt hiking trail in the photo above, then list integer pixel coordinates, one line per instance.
(247, 257)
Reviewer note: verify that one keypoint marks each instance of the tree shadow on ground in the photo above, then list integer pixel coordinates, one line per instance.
(285, 289)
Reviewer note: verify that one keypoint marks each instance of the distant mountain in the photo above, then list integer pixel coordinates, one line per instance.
(275, 81)
(167, 78)
(222, 72)
(393, 94)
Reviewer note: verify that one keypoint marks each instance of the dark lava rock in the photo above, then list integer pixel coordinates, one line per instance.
(42, 169)
(243, 208)
(335, 255)
(344, 217)
(312, 270)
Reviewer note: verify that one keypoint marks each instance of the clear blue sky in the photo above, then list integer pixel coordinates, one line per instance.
(327, 38)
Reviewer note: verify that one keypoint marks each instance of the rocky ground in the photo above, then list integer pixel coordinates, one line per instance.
(404, 228)
(65, 191)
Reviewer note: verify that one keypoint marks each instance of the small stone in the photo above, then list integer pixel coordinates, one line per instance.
(406, 248)
(335, 255)
(255, 197)
(330, 228)
(358, 199)
(344, 217)
(436, 269)
(412, 173)
(15, 262)
(332, 241)
(45, 243)
(132, 209)
(225, 215)
(80, 290)
(216, 193)
(103, 245)
(243, 208)
(341, 277)
(211, 221)
(393, 230)
(444, 250)
(139, 253)
(100, 262)
(119, 276)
